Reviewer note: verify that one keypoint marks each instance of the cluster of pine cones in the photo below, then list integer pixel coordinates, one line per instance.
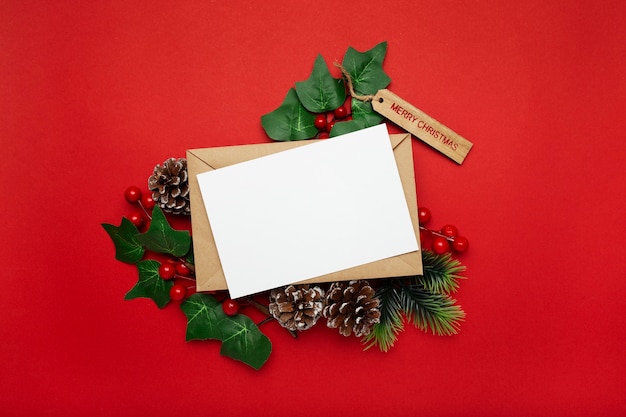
(351, 307)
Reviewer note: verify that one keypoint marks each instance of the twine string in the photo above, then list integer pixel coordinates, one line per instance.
(348, 79)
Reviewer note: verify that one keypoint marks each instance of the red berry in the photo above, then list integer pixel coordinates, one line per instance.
(341, 112)
(178, 292)
(132, 194)
(167, 270)
(147, 202)
(460, 244)
(330, 125)
(320, 121)
(182, 269)
(323, 135)
(449, 230)
(423, 215)
(136, 218)
(440, 245)
(230, 307)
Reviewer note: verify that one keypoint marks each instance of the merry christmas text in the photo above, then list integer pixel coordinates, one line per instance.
(421, 124)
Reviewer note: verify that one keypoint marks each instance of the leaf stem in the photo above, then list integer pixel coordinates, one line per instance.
(189, 265)
(263, 309)
(184, 277)
(144, 210)
(265, 320)
(434, 233)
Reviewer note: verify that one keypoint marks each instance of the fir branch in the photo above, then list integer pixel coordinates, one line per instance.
(426, 310)
(441, 273)
(385, 333)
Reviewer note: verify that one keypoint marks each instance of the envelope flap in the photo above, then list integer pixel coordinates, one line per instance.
(403, 152)
(215, 158)
(397, 139)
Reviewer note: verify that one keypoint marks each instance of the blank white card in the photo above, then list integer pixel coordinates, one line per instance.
(308, 211)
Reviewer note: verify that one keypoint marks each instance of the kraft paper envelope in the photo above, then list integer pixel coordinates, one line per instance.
(209, 273)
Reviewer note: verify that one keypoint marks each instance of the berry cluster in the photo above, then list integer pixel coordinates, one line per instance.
(139, 217)
(324, 122)
(176, 269)
(444, 239)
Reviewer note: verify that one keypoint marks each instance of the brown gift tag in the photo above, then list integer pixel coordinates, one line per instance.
(421, 125)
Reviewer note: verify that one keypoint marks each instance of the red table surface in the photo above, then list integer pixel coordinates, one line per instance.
(94, 94)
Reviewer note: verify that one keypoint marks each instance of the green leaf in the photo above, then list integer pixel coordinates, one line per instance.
(127, 248)
(385, 333)
(321, 92)
(290, 121)
(150, 284)
(189, 257)
(441, 273)
(341, 128)
(366, 69)
(436, 312)
(363, 110)
(242, 340)
(203, 316)
(161, 238)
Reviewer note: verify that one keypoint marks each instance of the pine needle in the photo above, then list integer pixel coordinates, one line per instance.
(423, 299)
(436, 312)
(385, 333)
(441, 273)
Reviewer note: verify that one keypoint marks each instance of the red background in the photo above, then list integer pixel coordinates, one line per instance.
(94, 94)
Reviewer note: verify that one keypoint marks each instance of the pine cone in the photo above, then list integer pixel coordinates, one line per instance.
(352, 307)
(297, 307)
(169, 186)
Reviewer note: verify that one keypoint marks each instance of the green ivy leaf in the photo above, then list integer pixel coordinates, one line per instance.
(341, 128)
(321, 92)
(127, 248)
(161, 238)
(366, 69)
(290, 121)
(203, 316)
(242, 340)
(189, 257)
(150, 284)
(363, 110)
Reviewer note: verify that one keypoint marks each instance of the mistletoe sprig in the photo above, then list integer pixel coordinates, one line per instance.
(240, 336)
(295, 118)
